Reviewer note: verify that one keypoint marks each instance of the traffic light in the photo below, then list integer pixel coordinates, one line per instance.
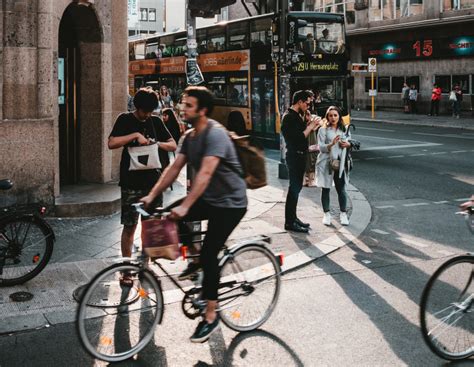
(293, 31)
(207, 8)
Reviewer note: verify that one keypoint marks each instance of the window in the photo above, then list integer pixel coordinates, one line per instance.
(201, 40)
(456, 5)
(397, 83)
(444, 82)
(414, 80)
(151, 50)
(152, 15)
(260, 32)
(238, 36)
(216, 39)
(368, 83)
(384, 84)
(463, 82)
(237, 91)
(144, 14)
(217, 85)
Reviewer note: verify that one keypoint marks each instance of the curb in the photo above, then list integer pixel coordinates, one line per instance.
(411, 123)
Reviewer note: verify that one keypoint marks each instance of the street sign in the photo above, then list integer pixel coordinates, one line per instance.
(372, 92)
(360, 68)
(191, 43)
(372, 65)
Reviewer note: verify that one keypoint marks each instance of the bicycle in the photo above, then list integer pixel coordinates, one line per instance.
(26, 242)
(116, 322)
(446, 305)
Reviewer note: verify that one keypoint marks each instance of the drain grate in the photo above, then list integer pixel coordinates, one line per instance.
(21, 296)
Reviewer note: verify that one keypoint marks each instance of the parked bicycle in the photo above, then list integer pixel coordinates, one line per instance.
(26, 242)
(446, 309)
(116, 321)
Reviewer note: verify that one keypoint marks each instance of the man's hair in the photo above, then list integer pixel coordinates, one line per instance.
(300, 95)
(204, 96)
(145, 99)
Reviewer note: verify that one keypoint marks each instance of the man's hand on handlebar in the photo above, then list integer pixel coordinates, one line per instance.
(147, 200)
(178, 212)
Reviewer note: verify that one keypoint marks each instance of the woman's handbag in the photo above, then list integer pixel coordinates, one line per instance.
(144, 157)
(160, 238)
(335, 164)
(452, 96)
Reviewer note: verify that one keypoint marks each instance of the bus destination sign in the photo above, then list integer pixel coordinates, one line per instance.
(320, 67)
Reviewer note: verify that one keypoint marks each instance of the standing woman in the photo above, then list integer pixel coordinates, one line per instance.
(310, 171)
(165, 97)
(331, 143)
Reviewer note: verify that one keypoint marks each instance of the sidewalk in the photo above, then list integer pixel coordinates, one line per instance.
(465, 122)
(85, 246)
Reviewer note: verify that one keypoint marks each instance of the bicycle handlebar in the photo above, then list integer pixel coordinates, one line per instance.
(140, 209)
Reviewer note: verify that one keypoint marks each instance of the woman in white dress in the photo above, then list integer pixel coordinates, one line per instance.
(332, 139)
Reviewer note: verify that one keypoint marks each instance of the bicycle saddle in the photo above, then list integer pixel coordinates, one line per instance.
(6, 184)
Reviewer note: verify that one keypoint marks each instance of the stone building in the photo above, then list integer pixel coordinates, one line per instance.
(63, 81)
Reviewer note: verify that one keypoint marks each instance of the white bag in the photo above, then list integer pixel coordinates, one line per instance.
(144, 157)
(452, 96)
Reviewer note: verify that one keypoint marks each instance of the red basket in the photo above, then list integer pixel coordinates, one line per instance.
(160, 238)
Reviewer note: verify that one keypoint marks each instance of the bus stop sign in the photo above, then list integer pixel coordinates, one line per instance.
(372, 65)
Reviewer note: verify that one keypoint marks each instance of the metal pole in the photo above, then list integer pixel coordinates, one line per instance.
(193, 73)
(373, 97)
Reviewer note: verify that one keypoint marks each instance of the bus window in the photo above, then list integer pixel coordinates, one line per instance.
(216, 39)
(151, 50)
(131, 52)
(201, 40)
(217, 85)
(260, 32)
(237, 91)
(322, 37)
(179, 47)
(139, 50)
(238, 36)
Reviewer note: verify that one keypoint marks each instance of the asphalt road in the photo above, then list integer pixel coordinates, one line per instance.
(358, 306)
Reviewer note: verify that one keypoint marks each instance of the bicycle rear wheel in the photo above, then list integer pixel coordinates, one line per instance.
(26, 245)
(446, 316)
(249, 287)
(115, 321)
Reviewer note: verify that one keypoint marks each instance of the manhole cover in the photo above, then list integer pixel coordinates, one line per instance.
(108, 294)
(21, 296)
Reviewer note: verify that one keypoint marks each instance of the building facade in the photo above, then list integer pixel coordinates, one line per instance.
(63, 82)
(146, 17)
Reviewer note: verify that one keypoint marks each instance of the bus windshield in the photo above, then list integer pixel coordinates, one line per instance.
(321, 37)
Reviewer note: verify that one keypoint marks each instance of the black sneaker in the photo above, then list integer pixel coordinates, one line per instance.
(189, 272)
(301, 223)
(204, 330)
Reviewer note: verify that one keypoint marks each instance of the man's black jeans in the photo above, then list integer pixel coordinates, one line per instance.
(221, 223)
(296, 163)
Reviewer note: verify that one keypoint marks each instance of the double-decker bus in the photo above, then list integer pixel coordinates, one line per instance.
(235, 58)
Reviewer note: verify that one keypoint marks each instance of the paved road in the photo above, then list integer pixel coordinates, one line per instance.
(356, 307)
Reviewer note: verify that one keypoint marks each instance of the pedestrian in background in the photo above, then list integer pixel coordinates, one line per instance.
(404, 97)
(413, 97)
(435, 98)
(310, 171)
(236, 123)
(455, 98)
(295, 131)
(331, 141)
(173, 126)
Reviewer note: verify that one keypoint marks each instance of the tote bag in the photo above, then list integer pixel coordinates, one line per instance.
(144, 157)
(452, 96)
(160, 238)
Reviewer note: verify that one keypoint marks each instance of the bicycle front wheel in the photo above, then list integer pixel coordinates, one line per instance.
(115, 321)
(26, 245)
(249, 287)
(446, 309)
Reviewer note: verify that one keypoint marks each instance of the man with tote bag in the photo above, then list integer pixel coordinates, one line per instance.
(141, 135)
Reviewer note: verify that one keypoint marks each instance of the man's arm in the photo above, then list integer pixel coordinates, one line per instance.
(203, 177)
(166, 179)
(169, 145)
(116, 142)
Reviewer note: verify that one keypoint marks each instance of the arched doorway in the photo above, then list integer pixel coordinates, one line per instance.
(79, 33)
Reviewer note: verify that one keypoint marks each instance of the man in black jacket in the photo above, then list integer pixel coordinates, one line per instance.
(295, 131)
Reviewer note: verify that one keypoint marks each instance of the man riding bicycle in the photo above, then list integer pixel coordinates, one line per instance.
(218, 194)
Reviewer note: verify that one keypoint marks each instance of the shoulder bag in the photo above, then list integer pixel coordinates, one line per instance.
(144, 157)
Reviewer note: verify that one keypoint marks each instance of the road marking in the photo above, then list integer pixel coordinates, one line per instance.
(441, 202)
(447, 136)
(459, 151)
(401, 146)
(373, 128)
(385, 206)
(356, 160)
(367, 261)
(396, 156)
(417, 155)
(435, 153)
(445, 252)
(372, 158)
(416, 204)
(379, 231)
(464, 199)
(412, 242)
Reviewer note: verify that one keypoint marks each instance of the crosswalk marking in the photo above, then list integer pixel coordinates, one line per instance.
(379, 231)
(464, 199)
(396, 156)
(439, 153)
(459, 151)
(440, 202)
(385, 206)
(415, 204)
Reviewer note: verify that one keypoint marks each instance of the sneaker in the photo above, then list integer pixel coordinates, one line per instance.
(204, 330)
(189, 272)
(301, 223)
(344, 219)
(327, 219)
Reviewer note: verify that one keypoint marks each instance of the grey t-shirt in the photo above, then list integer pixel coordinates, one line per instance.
(226, 189)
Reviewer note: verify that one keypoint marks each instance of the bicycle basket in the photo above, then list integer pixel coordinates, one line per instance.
(160, 238)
